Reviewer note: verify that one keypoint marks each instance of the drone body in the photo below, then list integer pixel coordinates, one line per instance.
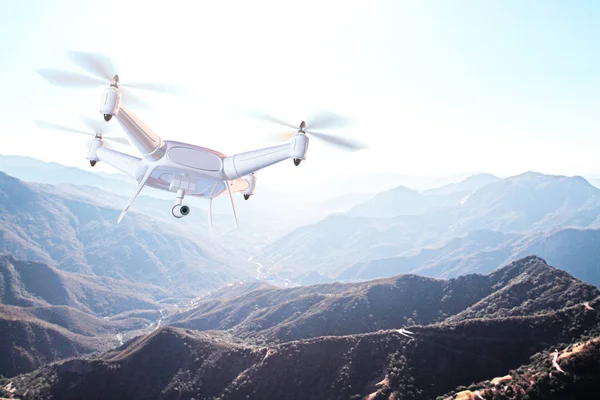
(180, 168)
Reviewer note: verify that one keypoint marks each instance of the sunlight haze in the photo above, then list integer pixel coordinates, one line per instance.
(435, 89)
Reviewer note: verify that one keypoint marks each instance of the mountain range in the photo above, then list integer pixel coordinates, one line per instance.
(488, 324)
(413, 283)
(474, 226)
(77, 235)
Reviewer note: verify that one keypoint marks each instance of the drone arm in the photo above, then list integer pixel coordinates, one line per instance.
(242, 164)
(129, 165)
(146, 141)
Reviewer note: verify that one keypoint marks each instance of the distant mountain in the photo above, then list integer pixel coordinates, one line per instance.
(261, 218)
(467, 185)
(32, 170)
(477, 252)
(403, 201)
(575, 250)
(76, 235)
(524, 287)
(530, 202)
(181, 363)
(525, 205)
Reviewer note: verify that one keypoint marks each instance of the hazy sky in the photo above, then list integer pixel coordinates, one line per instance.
(436, 87)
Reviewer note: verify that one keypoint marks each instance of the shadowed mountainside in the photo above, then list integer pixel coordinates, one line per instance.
(28, 283)
(525, 287)
(177, 363)
(577, 378)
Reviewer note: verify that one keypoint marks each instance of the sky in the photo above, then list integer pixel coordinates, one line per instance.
(436, 88)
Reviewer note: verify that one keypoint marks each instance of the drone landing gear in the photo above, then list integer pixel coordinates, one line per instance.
(297, 161)
(93, 162)
(180, 210)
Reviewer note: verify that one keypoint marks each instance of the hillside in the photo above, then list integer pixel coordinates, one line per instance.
(577, 378)
(27, 342)
(183, 364)
(47, 314)
(28, 283)
(78, 236)
(525, 287)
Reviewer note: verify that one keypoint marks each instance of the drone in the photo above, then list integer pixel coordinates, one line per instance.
(180, 168)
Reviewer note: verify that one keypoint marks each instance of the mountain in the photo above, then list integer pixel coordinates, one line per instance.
(575, 250)
(477, 252)
(531, 202)
(467, 185)
(524, 287)
(28, 284)
(27, 343)
(261, 219)
(32, 170)
(387, 363)
(47, 314)
(525, 205)
(404, 201)
(76, 235)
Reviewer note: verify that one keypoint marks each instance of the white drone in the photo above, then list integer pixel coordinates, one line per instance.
(182, 168)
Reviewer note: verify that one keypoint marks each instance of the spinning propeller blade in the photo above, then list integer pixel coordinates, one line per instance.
(321, 120)
(95, 64)
(95, 128)
(68, 79)
(48, 125)
(265, 117)
(103, 71)
(339, 141)
(327, 120)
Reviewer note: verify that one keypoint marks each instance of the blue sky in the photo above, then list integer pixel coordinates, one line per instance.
(436, 87)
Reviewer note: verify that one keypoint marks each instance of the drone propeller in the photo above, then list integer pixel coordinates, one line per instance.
(94, 130)
(103, 72)
(318, 121)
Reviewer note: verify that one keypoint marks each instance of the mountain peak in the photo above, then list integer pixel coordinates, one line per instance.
(532, 178)
(469, 184)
